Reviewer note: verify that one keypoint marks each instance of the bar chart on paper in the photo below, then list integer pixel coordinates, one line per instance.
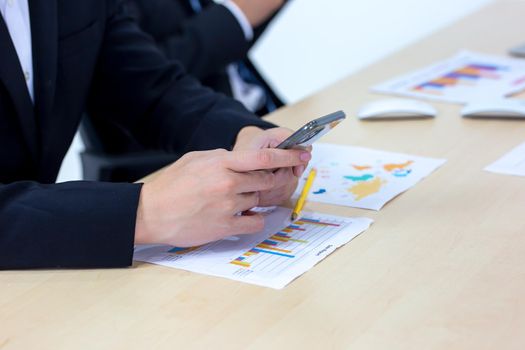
(281, 249)
(463, 78)
(467, 75)
(271, 258)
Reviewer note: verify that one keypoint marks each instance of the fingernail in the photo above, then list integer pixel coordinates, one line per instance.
(305, 156)
(301, 170)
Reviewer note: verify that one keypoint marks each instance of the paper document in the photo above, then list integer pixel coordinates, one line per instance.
(513, 163)
(361, 177)
(272, 258)
(466, 77)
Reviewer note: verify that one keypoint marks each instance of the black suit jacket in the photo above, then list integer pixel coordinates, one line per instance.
(89, 55)
(205, 43)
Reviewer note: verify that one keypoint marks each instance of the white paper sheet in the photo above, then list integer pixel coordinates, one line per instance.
(361, 177)
(466, 77)
(272, 258)
(513, 163)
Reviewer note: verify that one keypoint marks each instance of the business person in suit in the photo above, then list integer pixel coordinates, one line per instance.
(212, 41)
(59, 58)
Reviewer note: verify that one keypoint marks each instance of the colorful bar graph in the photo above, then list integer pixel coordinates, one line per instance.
(283, 243)
(272, 252)
(467, 75)
(180, 251)
(296, 228)
(239, 261)
(279, 238)
(315, 222)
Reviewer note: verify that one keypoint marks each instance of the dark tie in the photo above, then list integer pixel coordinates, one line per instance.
(196, 5)
(247, 75)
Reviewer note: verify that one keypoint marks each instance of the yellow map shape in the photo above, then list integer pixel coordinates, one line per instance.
(366, 188)
(391, 167)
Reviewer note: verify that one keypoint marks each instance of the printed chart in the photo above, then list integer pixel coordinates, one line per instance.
(512, 163)
(464, 78)
(363, 178)
(272, 258)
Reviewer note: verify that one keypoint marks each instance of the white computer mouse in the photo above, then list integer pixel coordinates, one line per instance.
(500, 108)
(396, 108)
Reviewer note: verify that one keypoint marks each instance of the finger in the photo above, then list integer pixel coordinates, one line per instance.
(278, 135)
(283, 178)
(246, 201)
(254, 181)
(266, 159)
(276, 197)
(298, 170)
(286, 184)
(247, 224)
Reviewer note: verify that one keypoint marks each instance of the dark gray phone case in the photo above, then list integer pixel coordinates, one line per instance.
(312, 131)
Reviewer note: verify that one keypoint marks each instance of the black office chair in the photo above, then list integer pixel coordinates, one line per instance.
(98, 164)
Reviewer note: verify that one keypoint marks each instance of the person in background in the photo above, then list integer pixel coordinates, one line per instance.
(212, 41)
(60, 58)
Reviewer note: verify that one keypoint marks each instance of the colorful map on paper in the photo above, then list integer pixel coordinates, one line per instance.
(464, 78)
(272, 258)
(361, 177)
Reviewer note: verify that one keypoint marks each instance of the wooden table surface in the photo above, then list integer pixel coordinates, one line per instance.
(442, 267)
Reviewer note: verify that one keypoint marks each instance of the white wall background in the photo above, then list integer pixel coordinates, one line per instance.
(314, 43)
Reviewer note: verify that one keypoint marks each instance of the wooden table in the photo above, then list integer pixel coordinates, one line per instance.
(443, 267)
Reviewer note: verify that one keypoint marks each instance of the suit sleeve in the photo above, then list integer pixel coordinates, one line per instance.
(91, 225)
(69, 225)
(137, 88)
(204, 43)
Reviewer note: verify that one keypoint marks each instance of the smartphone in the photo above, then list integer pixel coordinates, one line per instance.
(312, 131)
(518, 51)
